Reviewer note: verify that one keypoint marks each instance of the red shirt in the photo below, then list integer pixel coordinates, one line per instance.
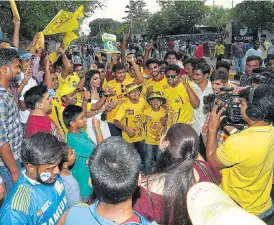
(199, 53)
(41, 124)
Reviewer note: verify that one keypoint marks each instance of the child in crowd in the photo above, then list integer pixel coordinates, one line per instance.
(130, 118)
(155, 117)
(78, 140)
(114, 176)
(71, 185)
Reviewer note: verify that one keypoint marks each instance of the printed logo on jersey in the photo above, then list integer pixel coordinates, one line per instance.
(130, 111)
(61, 208)
(149, 118)
(138, 117)
(177, 99)
(165, 86)
(43, 209)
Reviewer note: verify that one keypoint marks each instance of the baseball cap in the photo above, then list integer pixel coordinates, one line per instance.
(209, 205)
(24, 55)
(69, 86)
(8, 50)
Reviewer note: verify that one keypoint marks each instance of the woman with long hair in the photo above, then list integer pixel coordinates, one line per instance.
(93, 84)
(163, 194)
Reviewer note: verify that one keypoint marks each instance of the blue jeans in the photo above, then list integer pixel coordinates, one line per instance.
(5, 173)
(239, 63)
(141, 148)
(114, 131)
(153, 153)
(267, 216)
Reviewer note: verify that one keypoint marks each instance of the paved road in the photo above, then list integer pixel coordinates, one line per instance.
(213, 62)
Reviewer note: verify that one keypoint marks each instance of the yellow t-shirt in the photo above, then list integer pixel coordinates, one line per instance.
(118, 98)
(249, 157)
(74, 78)
(132, 115)
(160, 85)
(179, 108)
(153, 125)
(57, 116)
(56, 104)
(264, 52)
(219, 50)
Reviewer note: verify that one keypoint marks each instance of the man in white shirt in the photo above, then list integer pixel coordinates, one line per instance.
(25, 58)
(202, 86)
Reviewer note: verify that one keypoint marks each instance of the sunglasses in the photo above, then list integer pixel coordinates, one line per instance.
(171, 76)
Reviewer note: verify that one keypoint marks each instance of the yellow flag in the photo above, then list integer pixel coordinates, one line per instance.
(69, 37)
(14, 9)
(79, 13)
(40, 42)
(64, 21)
(53, 57)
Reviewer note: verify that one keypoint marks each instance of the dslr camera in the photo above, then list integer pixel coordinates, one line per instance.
(230, 102)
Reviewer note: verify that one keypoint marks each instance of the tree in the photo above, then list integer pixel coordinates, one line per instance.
(255, 14)
(216, 17)
(107, 25)
(176, 17)
(35, 15)
(139, 15)
(99, 26)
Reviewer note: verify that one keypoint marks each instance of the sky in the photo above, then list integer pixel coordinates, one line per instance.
(115, 9)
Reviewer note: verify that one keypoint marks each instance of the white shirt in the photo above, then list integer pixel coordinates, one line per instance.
(200, 115)
(24, 115)
(77, 59)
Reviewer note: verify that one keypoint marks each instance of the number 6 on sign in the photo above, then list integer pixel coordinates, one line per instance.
(109, 41)
(110, 45)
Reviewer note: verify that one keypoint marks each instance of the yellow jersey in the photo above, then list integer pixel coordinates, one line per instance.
(132, 115)
(118, 97)
(219, 50)
(249, 157)
(179, 108)
(160, 85)
(57, 116)
(154, 126)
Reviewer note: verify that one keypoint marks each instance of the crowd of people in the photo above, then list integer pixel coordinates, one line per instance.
(132, 140)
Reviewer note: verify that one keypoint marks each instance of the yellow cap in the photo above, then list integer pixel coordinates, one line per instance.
(157, 95)
(67, 88)
(130, 87)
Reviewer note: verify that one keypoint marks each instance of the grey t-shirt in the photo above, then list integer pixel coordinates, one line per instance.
(72, 190)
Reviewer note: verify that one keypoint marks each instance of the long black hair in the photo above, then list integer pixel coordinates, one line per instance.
(88, 78)
(176, 167)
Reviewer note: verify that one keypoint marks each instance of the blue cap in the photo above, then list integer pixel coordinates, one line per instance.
(25, 55)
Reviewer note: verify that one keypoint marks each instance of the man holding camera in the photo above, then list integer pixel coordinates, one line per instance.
(219, 81)
(246, 159)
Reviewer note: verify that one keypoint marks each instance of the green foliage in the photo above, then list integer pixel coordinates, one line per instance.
(255, 14)
(176, 17)
(106, 25)
(99, 26)
(35, 15)
(140, 15)
(216, 17)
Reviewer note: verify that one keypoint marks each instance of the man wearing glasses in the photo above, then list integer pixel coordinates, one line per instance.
(181, 99)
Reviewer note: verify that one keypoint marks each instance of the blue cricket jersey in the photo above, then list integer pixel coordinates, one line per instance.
(30, 202)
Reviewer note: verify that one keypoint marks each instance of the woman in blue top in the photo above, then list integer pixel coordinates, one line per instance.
(78, 140)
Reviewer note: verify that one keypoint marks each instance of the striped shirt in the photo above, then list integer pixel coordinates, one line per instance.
(10, 127)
